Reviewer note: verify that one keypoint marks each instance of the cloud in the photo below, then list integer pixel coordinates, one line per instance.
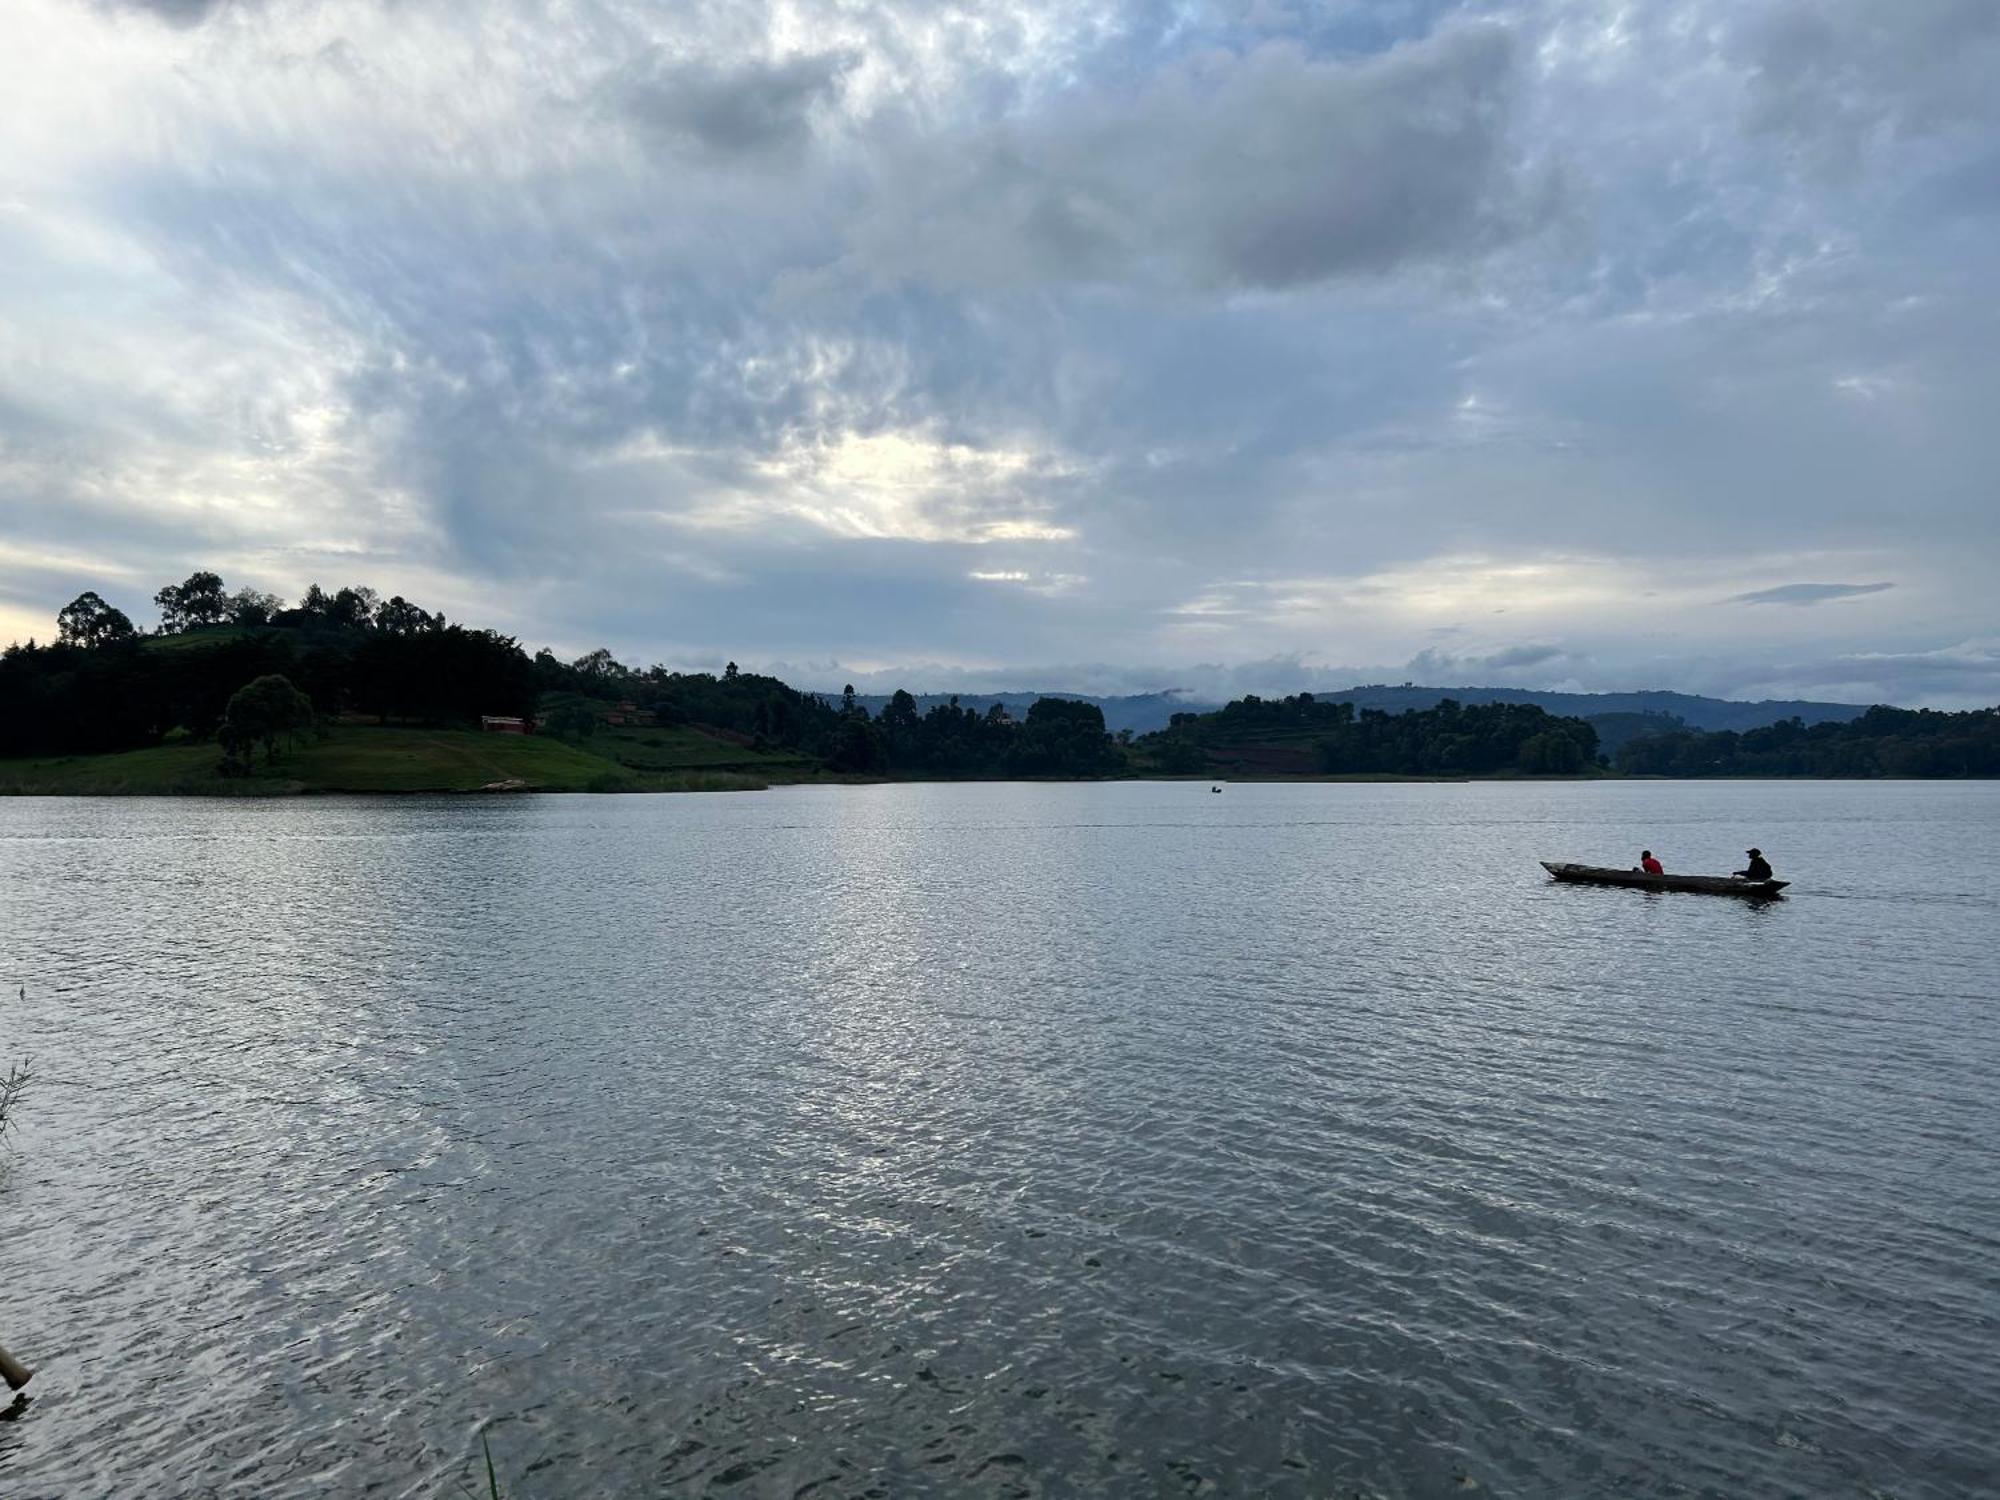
(1268, 169)
(178, 12)
(1433, 667)
(732, 111)
(1835, 74)
(1963, 675)
(1802, 594)
(1255, 337)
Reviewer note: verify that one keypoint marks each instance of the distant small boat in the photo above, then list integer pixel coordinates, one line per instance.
(1217, 790)
(1713, 885)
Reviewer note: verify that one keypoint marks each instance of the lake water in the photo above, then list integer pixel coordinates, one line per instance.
(1004, 1140)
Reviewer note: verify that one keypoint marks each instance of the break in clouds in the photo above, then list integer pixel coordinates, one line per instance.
(1108, 347)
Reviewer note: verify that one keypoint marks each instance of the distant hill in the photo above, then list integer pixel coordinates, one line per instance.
(1142, 713)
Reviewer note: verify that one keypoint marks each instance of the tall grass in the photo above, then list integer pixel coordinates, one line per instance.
(492, 1478)
(11, 1087)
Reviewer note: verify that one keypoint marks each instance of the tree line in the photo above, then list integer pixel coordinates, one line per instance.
(248, 671)
(1057, 737)
(1452, 739)
(104, 684)
(1884, 742)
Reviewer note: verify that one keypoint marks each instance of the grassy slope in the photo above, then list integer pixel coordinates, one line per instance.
(356, 758)
(681, 749)
(201, 637)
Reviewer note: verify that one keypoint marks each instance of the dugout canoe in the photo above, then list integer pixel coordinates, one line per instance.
(1713, 885)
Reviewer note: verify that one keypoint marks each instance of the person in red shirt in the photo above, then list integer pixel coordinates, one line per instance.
(1649, 864)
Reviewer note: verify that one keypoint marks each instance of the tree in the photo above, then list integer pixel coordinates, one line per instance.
(599, 665)
(199, 601)
(1551, 753)
(900, 712)
(857, 747)
(248, 607)
(1062, 737)
(88, 621)
(400, 617)
(439, 675)
(352, 608)
(263, 712)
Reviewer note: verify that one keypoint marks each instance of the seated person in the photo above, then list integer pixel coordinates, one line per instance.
(1649, 864)
(1760, 867)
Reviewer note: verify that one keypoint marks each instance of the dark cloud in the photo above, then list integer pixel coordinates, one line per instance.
(746, 110)
(1834, 73)
(1269, 169)
(1809, 593)
(1477, 669)
(177, 12)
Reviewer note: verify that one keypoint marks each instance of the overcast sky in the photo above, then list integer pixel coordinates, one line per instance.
(1104, 346)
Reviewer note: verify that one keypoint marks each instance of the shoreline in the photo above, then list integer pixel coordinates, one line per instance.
(276, 788)
(353, 760)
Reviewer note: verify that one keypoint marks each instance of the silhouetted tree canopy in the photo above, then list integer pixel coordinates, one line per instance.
(89, 622)
(198, 601)
(249, 608)
(351, 608)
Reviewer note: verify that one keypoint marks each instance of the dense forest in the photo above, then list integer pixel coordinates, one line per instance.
(1882, 742)
(250, 674)
(1305, 735)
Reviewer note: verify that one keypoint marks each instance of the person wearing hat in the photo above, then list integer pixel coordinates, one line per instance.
(1760, 867)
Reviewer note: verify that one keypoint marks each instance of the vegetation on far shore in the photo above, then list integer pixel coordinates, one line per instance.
(236, 694)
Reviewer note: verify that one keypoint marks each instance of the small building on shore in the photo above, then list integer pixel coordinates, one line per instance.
(629, 715)
(500, 724)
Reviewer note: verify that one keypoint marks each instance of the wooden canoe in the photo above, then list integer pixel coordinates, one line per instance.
(1713, 885)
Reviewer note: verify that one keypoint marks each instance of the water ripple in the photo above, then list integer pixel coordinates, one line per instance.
(1015, 1140)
